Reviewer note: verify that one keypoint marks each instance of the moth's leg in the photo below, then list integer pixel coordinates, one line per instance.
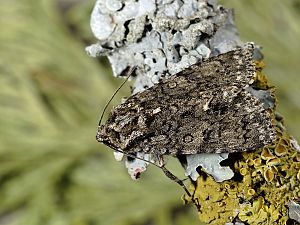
(159, 159)
(176, 179)
(168, 173)
(180, 182)
(196, 201)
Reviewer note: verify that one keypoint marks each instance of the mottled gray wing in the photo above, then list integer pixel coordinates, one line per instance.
(204, 108)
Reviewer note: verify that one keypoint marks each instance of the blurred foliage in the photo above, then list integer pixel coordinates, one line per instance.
(52, 171)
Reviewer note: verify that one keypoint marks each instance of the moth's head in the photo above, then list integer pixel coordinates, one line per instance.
(105, 134)
(108, 136)
(101, 135)
(123, 128)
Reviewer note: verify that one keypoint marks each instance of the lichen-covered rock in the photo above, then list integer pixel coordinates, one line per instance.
(159, 39)
(163, 37)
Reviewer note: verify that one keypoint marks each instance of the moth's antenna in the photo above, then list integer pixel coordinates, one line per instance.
(107, 104)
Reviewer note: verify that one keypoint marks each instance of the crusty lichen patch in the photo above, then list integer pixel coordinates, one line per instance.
(269, 179)
(260, 80)
(265, 181)
(218, 201)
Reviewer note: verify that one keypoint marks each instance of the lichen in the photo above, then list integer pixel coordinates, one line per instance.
(210, 163)
(217, 201)
(265, 181)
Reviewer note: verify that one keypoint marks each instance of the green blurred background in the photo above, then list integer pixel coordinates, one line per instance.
(52, 171)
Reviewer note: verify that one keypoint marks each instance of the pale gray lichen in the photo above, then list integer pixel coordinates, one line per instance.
(160, 38)
(137, 166)
(211, 165)
(183, 31)
(265, 96)
(294, 211)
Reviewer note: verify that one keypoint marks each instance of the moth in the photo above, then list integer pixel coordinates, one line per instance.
(206, 108)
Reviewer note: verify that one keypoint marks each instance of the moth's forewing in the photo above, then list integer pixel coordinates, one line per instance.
(204, 108)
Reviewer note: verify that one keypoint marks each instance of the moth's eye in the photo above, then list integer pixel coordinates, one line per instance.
(188, 138)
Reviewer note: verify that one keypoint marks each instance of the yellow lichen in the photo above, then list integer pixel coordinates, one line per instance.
(243, 171)
(280, 150)
(249, 162)
(274, 169)
(257, 162)
(251, 192)
(260, 80)
(273, 162)
(266, 154)
(216, 205)
(269, 175)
